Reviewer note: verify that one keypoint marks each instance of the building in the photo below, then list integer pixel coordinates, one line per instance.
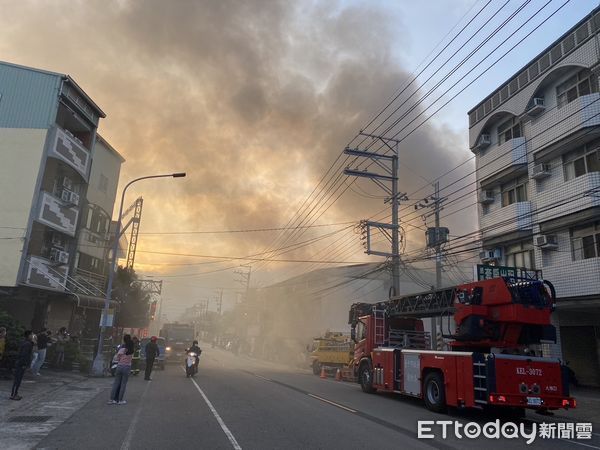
(536, 141)
(286, 316)
(59, 180)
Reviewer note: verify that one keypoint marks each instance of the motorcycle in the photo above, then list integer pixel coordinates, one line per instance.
(190, 364)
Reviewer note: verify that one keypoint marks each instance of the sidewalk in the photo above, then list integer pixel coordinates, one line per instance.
(48, 400)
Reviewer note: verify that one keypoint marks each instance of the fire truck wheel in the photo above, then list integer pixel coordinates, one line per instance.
(316, 367)
(435, 392)
(365, 377)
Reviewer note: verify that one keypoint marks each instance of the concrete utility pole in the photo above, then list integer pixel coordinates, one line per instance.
(436, 237)
(389, 166)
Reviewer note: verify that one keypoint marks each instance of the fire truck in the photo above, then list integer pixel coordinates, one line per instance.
(489, 362)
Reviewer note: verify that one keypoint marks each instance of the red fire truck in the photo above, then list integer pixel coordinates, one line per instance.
(489, 363)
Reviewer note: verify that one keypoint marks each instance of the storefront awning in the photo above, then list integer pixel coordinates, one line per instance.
(88, 301)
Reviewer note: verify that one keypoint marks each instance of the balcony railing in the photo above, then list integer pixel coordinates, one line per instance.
(514, 217)
(90, 281)
(501, 158)
(569, 197)
(54, 213)
(41, 272)
(69, 149)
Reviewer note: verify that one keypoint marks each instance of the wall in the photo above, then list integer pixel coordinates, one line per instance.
(22, 152)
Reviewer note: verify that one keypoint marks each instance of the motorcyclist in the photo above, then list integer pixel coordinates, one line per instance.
(197, 350)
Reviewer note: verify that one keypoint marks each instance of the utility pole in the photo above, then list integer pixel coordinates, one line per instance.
(388, 174)
(436, 237)
(220, 302)
(244, 280)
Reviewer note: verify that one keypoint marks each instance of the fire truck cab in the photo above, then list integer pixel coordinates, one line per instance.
(488, 364)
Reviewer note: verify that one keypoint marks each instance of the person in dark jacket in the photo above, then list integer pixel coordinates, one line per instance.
(42, 345)
(152, 352)
(22, 363)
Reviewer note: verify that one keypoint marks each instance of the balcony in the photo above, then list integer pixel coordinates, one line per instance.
(563, 275)
(515, 217)
(69, 149)
(502, 159)
(565, 128)
(568, 197)
(43, 273)
(57, 214)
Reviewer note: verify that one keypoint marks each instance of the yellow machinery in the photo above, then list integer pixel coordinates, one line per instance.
(330, 351)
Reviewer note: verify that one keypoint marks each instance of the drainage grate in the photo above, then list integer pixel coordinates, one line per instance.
(28, 419)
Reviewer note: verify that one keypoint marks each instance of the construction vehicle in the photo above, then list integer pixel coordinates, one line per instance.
(333, 350)
(490, 363)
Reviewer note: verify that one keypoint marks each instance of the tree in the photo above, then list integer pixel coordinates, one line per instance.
(134, 302)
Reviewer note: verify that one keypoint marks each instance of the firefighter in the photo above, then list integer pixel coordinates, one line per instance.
(135, 361)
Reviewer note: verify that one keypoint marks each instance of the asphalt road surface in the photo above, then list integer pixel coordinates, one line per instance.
(236, 402)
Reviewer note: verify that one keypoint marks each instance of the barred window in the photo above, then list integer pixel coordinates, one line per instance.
(585, 241)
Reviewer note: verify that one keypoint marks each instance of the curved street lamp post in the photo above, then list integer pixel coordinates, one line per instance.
(98, 366)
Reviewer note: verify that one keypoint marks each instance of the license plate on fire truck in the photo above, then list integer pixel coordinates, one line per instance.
(534, 401)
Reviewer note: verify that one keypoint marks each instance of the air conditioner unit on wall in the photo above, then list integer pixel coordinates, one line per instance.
(491, 255)
(57, 240)
(536, 107)
(483, 141)
(540, 171)
(69, 196)
(547, 241)
(67, 183)
(486, 197)
(59, 256)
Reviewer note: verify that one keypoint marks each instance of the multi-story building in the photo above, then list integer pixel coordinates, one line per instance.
(58, 180)
(536, 139)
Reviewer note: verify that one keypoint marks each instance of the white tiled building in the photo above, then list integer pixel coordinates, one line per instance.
(537, 144)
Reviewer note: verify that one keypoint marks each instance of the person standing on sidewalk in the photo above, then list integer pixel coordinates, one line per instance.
(42, 346)
(61, 340)
(123, 357)
(152, 352)
(22, 363)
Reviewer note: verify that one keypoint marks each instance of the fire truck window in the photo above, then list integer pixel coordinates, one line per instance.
(361, 331)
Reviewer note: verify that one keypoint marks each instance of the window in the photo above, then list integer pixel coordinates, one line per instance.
(583, 160)
(519, 255)
(583, 83)
(508, 130)
(585, 242)
(515, 191)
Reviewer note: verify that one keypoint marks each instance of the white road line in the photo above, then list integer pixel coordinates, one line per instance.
(129, 436)
(331, 403)
(261, 377)
(226, 430)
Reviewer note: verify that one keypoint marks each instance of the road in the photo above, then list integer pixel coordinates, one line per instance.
(237, 402)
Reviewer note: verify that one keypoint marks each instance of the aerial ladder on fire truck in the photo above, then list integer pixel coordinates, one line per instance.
(496, 323)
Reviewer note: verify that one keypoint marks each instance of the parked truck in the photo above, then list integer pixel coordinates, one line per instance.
(490, 362)
(332, 350)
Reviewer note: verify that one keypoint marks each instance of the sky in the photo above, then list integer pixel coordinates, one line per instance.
(256, 99)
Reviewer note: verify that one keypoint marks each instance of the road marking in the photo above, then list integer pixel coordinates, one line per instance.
(331, 403)
(129, 436)
(226, 430)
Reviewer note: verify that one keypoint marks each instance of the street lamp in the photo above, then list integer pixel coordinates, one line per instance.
(98, 366)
